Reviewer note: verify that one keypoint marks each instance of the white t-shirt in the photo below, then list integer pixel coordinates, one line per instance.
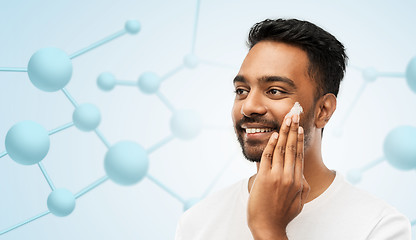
(341, 212)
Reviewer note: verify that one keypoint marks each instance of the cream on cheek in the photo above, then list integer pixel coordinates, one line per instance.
(296, 109)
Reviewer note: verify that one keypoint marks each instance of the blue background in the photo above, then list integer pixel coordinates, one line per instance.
(376, 34)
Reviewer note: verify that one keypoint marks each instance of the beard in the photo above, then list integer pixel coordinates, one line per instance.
(253, 149)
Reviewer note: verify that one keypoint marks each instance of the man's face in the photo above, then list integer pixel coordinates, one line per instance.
(271, 79)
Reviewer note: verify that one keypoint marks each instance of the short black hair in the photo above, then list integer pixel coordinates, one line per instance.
(327, 57)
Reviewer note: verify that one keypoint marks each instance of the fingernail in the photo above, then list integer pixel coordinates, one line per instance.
(296, 118)
(274, 135)
(288, 121)
(300, 130)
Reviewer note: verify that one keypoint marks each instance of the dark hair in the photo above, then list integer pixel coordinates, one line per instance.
(327, 57)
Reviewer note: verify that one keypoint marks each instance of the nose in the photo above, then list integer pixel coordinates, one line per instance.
(253, 105)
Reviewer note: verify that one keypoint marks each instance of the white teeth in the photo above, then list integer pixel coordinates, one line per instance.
(256, 130)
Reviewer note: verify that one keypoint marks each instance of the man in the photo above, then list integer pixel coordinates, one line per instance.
(293, 195)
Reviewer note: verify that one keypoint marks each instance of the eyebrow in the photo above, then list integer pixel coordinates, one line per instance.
(267, 79)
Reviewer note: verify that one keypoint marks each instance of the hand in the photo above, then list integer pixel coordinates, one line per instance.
(279, 190)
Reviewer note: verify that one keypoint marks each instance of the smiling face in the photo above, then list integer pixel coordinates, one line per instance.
(272, 78)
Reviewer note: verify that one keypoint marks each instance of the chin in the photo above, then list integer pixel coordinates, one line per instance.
(253, 153)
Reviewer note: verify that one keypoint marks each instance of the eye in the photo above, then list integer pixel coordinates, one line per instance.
(239, 91)
(275, 91)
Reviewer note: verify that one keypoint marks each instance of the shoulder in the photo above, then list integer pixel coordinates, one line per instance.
(345, 211)
(387, 221)
(391, 225)
(382, 219)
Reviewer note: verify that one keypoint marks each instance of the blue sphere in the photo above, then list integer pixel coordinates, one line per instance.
(132, 26)
(191, 61)
(400, 147)
(149, 82)
(354, 176)
(50, 69)
(126, 163)
(190, 203)
(27, 142)
(86, 117)
(185, 124)
(411, 74)
(106, 81)
(370, 74)
(61, 202)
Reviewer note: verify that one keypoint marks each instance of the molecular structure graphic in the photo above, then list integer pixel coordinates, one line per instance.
(399, 146)
(371, 75)
(126, 162)
(27, 142)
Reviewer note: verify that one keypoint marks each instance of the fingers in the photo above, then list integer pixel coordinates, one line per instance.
(267, 156)
(291, 148)
(279, 151)
(299, 158)
(288, 156)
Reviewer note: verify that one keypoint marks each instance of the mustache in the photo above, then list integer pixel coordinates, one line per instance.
(258, 120)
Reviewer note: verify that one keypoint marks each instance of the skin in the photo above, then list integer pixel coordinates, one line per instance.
(290, 169)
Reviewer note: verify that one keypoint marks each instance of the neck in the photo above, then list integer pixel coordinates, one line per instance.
(318, 176)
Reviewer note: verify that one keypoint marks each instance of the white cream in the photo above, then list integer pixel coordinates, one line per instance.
(296, 109)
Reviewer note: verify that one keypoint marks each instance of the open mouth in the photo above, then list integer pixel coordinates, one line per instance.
(257, 130)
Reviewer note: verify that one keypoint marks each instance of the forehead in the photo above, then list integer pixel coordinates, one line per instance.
(270, 58)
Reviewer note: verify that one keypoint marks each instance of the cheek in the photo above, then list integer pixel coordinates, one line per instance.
(279, 111)
(307, 120)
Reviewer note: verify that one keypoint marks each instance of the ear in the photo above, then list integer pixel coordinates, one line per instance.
(325, 107)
